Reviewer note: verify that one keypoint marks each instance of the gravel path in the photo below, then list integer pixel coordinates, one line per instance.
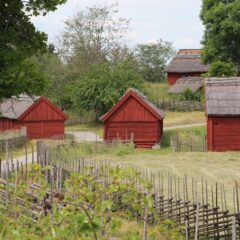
(184, 126)
(21, 160)
(82, 136)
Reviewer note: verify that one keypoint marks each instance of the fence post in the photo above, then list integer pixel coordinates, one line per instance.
(177, 138)
(234, 232)
(190, 139)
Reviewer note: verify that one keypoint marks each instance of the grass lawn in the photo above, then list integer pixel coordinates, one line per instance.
(183, 118)
(223, 168)
(157, 91)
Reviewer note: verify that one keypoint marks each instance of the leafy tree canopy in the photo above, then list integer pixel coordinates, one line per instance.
(152, 59)
(103, 84)
(93, 36)
(19, 40)
(222, 31)
(221, 69)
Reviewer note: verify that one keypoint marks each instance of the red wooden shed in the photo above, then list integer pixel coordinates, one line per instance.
(41, 118)
(187, 63)
(223, 113)
(134, 116)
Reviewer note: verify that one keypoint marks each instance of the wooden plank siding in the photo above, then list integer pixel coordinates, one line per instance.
(133, 120)
(8, 124)
(223, 133)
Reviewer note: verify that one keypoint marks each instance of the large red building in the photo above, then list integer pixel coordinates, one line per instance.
(134, 117)
(223, 113)
(41, 118)
(187, 63)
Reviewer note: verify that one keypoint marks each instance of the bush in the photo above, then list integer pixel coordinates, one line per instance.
(189, 95)
(221, 69)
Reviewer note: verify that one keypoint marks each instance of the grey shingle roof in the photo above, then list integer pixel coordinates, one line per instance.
(193, 83)
(14, 107)
(223, 96)
(187, 63)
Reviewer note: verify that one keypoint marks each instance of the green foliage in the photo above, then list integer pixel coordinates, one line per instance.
(52, 67)
(221, 69)
(93, 36)
(189, 95)
(152, 59)
(222, 31)
(20, 40)
(101, 87)
(92, 209)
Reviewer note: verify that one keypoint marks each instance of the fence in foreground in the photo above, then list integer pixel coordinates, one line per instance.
(202, 210)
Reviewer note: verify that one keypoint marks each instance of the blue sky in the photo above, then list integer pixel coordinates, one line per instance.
(176, 21)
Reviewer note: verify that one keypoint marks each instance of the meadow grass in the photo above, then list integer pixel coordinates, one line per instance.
(183, 118)
(19, 152)
(157, 91)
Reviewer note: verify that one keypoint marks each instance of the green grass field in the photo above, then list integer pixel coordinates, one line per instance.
(183, 118)
(157, 91)
(223, 168)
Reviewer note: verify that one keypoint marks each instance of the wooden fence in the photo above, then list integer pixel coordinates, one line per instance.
(188, 143)
(178, 105)
(201, 209)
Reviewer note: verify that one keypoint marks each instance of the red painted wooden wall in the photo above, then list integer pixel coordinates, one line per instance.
(173, 77)
(44, 120)
(132, 120)
(8, 124)
(223, 133)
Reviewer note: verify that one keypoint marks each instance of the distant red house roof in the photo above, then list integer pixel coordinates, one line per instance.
(190, 51)
(140, 98)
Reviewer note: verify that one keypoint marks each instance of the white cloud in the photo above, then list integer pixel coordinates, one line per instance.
(175, 21)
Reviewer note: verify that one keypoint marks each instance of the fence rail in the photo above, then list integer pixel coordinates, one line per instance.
(177, 105)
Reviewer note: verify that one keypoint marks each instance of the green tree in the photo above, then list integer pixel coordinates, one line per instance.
(51, 66)
(221, 69)
(222, 31)
(152, 59)
(92, 36)
(102, 85)
(19, 40)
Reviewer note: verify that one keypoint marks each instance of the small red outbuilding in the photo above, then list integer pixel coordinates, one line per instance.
(134, 117)
(223, 113)
(41, 118)
(187, 63)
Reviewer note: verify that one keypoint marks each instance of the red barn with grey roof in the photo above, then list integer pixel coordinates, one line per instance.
(187, 63)
(223, 113)
(41, 117)
(134, 116)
